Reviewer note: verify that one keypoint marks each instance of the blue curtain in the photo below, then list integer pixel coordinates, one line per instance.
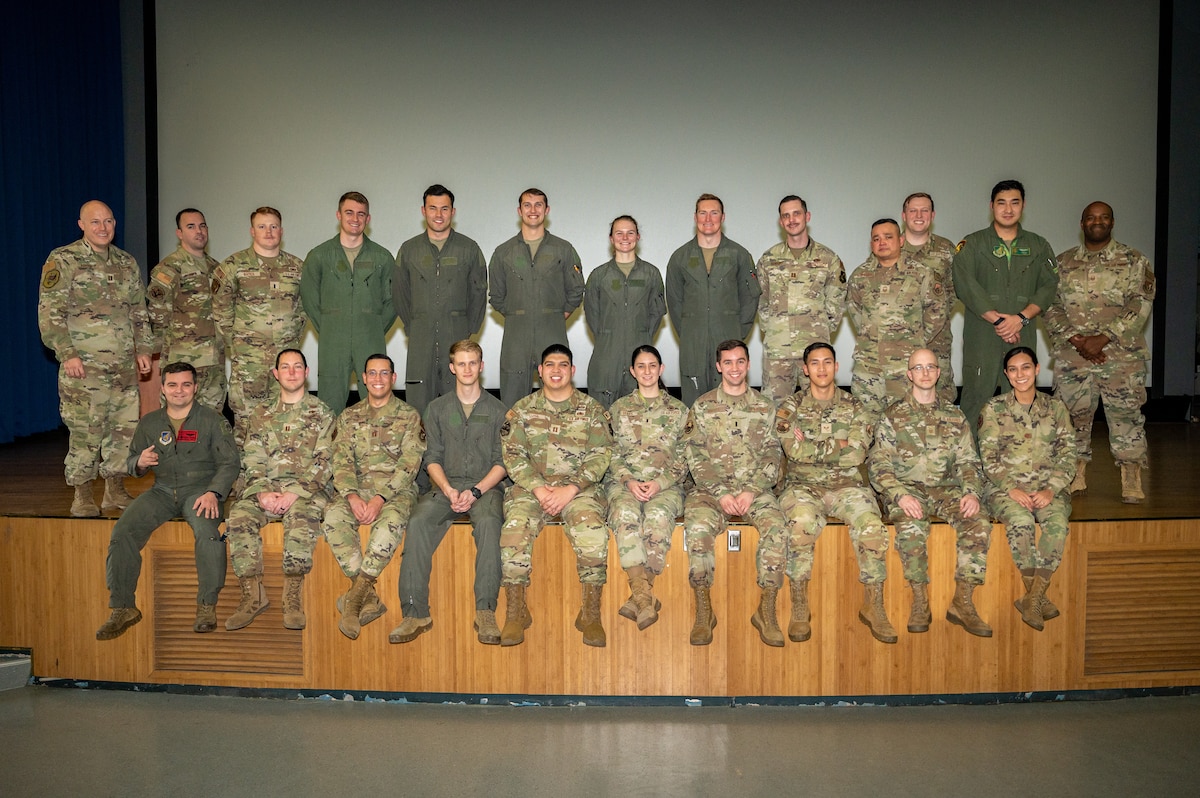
(61, 144)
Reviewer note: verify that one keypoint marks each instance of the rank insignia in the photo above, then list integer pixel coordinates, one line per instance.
(960, 246)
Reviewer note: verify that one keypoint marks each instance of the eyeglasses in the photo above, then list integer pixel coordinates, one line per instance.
(385, 373)
(921, 367)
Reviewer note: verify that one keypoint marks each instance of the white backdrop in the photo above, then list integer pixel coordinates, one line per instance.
(638, 108)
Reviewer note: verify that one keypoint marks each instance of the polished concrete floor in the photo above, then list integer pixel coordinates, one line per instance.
(114, 743)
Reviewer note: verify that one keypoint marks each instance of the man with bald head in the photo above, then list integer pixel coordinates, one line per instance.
(1095, 326)
(92, 314)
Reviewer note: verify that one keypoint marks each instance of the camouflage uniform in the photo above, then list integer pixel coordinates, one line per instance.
(288, 450)
(553, 444)
(532, 294)
(709, 307)
(256, 305)
(823, 478)
(1031, 449)
(730, 449)
(937, 255)
(647, 447)
(623, 313)
(441, 298)
(376, 452)
(894, 310)
(94, 309)
(179, 302)
(1109, 292)
(926, 451)
(803, 299)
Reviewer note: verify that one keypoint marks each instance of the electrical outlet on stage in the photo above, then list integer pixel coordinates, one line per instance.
(735, 540)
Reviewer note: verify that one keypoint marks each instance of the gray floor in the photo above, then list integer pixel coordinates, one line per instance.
(98, 742)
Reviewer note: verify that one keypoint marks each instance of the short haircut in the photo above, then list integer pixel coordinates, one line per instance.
(1020, 350)
(730, 345)
(466, 344)
(707, 197)
(380, 356)
(354, 196)
(1008, 185)
(793, 198)
(266, 210)
(178, 216)
(623, 218)
(814, 346)
(537, 192)
(178, 367)
(558, 349)
(1083, 215)
(885, 220)
(645, 349)
(283, 352)
(438, 190)
(916, 195)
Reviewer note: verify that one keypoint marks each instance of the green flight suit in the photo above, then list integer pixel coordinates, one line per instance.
(623, 313)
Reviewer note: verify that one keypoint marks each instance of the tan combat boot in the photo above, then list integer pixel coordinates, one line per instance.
(486, 630)
(373, 607)
(1031, 605)
(588, 620)
(962, 611)
(410, 629)
(121, 619)
(1131, 483)
(800, 628)
(874, 615)
(206, 618)
(350, 625)
(643, 600)
(1079, 484)
(630, 608)
(706, 619)
(254, 601)
(1049, 610)
(84, 503)
(517, 618)
(293, 602)
(766, 620)
(919, 617)
(115, 495)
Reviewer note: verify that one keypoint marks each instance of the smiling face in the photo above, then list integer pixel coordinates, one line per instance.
(380, 380)
(556, 372)
(1022, 374)
(709, 218)
(98, 225)
(624, 237)
(179, 389)
(734, 367)
(1097, 224)
(438, 213)
(918, 215)
(353, 218)
(533, 209)
(794, 219)
(647, 370)
(1007, 208)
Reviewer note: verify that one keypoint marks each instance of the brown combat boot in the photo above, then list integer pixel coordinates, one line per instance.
(121, 619)
(1079, 484)
(1031, 605)
(206, 618)
(800, 628)
(1049, 610)
(766, 620)
(919, 617)
(486, 630)
(630, 608)
(874, 615)
(350, 625)
(254, 601)
(115, 495)
(588, 620)
(1131, 483)
(293, 602)
(410, 629)
(706, 619)
(373, 607)
(643, 600)
(84, 503)
(517, 618)
(962, 611)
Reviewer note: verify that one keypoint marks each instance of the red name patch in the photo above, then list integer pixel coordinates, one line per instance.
(187, 436)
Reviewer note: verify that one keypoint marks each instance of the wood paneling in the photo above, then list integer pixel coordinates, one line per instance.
(52, 598)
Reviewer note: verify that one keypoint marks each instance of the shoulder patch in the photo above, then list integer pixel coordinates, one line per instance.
(156, 292)
(51, 277)
(842, 275)
(216, 285)
(960, 246)
(421, 430)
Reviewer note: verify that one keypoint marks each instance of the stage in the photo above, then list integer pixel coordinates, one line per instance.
(1127, 591)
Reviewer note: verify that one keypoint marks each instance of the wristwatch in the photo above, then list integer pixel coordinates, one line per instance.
(476, 492)
(1024, 321)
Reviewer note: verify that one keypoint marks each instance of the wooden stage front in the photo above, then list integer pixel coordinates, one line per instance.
(1128, 592)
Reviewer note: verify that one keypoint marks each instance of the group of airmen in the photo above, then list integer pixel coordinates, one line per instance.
(626, 458)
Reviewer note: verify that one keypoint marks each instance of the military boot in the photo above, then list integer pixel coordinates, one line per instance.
(293, 602)
(350, 625)
(800, 628)
(1079, 484)
(1131, 483)
(115, 495)
(644, 601)
(630, 609)
(206, 618)
(373, 607)
(254, 601)
(1031, 605)
(588, 620)
(962, 611)
(919, 617)
(486, 630)
(1049, 610)
(706, 619)
(874, 615)
(516, 618)
(410, 629)
(766, 620)
(84, 504)
(121, 619)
